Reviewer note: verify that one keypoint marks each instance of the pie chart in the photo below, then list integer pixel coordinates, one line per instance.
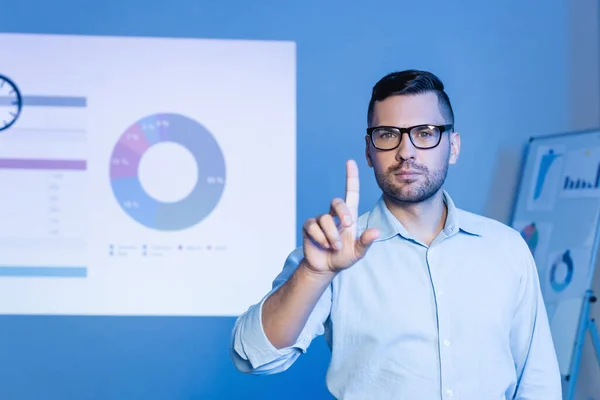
(127, 187)
(531, 235)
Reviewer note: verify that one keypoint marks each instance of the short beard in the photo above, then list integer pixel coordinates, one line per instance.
(412, 192)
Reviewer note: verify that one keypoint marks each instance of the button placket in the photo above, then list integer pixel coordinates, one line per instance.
(444, 325)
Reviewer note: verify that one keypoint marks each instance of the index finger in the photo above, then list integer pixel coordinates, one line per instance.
(352, 188)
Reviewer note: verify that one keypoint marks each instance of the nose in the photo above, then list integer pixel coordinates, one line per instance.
(406, 150)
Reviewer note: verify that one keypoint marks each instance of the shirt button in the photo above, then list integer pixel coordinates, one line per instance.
(446, 343)
(449, 393)
(441, 292)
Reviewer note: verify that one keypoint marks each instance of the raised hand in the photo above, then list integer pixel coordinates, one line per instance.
(331, 247)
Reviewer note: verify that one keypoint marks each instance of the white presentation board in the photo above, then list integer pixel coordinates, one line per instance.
(557, 212)
(144, 176)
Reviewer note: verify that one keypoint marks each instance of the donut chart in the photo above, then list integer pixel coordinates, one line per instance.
(564, 261)
(125, 181)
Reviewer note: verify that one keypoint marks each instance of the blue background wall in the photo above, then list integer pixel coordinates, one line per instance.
(506, 69)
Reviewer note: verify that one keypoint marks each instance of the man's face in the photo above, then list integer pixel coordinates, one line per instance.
(407, 174)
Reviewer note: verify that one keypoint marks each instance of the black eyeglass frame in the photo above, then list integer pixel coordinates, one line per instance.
(442, 128)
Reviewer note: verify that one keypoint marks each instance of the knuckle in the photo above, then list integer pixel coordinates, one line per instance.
(314, 229)
(337, 201)
(323, 219)
(308, 223)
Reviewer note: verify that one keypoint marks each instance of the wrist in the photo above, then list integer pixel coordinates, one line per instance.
(323, 277)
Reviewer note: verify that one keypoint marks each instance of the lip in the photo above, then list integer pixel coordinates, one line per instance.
(407, 174)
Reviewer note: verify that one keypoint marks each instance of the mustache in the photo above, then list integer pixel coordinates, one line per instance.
(407, 166)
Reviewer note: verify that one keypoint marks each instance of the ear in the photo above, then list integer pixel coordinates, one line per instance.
(367, 155)
(454, 147)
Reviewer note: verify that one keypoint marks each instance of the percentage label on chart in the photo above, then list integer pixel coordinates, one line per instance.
(120, 161)
(131, 204)
(215, 180)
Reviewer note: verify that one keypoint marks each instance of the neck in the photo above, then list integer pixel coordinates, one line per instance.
(424, 220)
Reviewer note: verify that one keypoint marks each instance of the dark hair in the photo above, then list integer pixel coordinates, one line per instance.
(410, 82)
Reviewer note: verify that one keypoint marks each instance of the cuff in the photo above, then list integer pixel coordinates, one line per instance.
(258, 348)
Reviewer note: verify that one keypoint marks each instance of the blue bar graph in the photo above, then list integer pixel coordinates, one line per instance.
(46, 101)
(574, 183)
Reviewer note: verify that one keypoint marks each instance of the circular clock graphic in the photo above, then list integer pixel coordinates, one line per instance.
(10, 102)
(129, 191)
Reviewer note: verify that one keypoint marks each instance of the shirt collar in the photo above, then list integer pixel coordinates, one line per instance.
(458, 220)
(381, 218)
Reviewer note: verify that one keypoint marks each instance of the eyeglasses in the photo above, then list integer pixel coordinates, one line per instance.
(421, 136)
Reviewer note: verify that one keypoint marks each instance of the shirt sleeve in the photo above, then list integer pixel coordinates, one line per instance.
(538, 374)
(251, 350)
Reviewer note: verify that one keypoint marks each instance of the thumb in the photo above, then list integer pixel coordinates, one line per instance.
(365, 241)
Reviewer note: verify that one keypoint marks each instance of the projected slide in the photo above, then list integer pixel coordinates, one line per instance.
(146, 176)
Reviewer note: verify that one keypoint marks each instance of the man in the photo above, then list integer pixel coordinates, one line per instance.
(418, 299)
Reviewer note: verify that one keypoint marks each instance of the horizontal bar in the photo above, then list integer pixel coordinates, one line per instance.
(50, 272)
(24, 163)
(6, 101)
(46, 101)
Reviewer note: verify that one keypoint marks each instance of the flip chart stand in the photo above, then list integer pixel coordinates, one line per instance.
(586, 323)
